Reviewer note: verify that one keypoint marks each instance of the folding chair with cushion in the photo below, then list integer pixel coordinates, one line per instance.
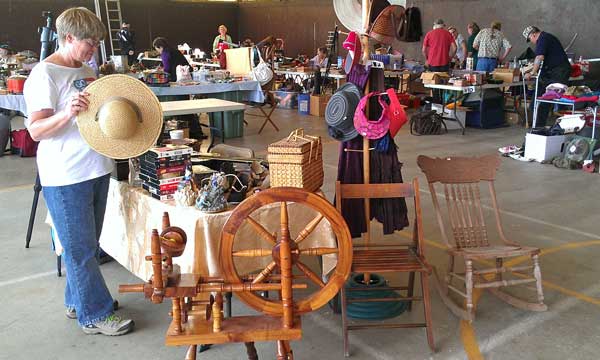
(399, 257)
(460, 179)
(269, 100)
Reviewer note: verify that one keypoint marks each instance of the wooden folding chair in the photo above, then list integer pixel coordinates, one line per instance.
(400, 257)
(269, 100)
(461, 179)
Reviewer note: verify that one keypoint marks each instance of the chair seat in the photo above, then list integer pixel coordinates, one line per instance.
(387, 260)
(495, 251)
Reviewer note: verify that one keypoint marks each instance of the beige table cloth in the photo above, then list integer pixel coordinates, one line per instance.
(131, 214)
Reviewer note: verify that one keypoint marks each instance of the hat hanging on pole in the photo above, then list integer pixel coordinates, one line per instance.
(124, 118)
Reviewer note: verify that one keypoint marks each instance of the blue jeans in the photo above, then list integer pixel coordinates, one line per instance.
(77, 212)
(486, 64)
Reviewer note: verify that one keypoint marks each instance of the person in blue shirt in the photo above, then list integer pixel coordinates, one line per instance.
(550, 54)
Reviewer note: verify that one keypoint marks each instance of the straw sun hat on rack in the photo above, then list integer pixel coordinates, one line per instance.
(124, 118)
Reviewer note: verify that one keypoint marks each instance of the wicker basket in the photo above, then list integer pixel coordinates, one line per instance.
(297, 161)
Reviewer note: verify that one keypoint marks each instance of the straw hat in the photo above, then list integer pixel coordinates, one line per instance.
(124, 118)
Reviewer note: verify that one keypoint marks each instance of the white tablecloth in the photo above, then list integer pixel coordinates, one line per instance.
(13, 102)
(131, 214)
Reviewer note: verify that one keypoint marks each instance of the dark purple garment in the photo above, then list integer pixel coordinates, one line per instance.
(170, 59)
(359, 75)
(385, 168)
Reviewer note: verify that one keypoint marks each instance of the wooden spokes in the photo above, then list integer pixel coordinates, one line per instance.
(262, 231)
(310, 299)
(310, 227)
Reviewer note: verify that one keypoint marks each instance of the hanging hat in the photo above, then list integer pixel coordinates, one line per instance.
(354, 47)
(339, 113)
(388, 24)
(124, 118)
(371, 129)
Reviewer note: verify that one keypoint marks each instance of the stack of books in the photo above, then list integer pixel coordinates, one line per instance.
(162, 168)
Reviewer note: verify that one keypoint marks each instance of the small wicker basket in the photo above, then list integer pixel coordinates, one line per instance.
(297, 161)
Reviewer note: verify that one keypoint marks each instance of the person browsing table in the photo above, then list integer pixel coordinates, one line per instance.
(74, 177)
(489, 44)
(438, 47)
(556, 67)
(169, 56)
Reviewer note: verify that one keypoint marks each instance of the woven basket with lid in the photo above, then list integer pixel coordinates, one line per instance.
(297, 161)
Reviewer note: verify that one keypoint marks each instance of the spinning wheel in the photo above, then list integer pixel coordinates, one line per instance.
(326, 289)
(196, 321)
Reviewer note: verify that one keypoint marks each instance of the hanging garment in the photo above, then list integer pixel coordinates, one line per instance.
(384, 168)
(412, 30)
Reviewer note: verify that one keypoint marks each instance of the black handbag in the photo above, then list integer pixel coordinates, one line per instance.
(427, 123)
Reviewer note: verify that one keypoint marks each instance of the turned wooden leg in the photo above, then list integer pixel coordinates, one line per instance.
(411, 289)
(537, 273)
(251, 351)
(284, 352)
(469, 285)
(191, 353)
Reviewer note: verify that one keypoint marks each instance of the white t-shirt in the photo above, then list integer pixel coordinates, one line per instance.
(65, 158)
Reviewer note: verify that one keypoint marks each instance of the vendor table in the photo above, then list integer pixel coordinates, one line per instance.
(195, 63)
(13, 102)
(470, 89)
(250, 90)
(131, 214)
(301, 75)
(183, 107)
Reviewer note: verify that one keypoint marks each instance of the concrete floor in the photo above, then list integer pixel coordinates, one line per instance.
(543, 206)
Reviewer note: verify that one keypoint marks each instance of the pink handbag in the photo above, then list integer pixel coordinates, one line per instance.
(371, 129)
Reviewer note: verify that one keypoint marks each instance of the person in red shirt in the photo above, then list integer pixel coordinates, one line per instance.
(438, 47)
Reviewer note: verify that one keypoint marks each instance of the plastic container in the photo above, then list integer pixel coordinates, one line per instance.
(304, 104)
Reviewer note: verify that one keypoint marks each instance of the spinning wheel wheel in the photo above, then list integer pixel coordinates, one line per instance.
(326, 289)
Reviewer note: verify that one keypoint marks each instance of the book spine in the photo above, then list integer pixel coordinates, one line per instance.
(158, 182)
(155, 191)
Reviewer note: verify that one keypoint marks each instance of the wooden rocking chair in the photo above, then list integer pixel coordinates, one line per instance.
(401, 257)
(461, 178)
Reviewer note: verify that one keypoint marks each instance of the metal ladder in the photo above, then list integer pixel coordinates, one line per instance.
(113, 15)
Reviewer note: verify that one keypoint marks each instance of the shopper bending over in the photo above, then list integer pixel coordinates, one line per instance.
(556, 67)
(489, 44)
(169, 56)
(74, 177)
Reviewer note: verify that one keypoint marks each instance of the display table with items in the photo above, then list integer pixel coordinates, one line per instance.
(459, 90)
(131, 214)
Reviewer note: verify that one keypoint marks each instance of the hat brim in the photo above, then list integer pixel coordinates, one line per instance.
(136, 92)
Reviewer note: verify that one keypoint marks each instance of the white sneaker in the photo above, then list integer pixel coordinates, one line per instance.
(113, 325)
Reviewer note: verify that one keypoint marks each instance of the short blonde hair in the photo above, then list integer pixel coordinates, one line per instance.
(81, 23)
(223, 26)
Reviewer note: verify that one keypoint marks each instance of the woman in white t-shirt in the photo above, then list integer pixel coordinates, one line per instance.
(74, 177)
(461, 47)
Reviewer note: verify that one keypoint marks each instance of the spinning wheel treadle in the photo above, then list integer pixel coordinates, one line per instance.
(326, 289)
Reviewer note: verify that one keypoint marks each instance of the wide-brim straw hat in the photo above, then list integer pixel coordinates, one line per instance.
(124, 118)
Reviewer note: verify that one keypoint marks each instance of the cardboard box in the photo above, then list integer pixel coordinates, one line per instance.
(507, 75)
(318, 104)
(544, 148)
(435, 78)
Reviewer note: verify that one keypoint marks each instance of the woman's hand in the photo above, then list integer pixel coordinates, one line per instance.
(77, 103)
